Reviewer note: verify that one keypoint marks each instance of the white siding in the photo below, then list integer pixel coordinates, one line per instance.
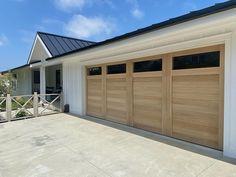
(24, 81)
(74, 87)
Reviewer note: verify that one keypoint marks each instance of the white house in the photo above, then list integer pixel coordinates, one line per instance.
(176, 78)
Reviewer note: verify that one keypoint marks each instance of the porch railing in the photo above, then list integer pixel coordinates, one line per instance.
(27, 106)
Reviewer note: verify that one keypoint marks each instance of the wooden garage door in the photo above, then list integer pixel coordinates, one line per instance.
(116, 93)
(197, 88)
(94, 92)
(147, 95)
(177, 94)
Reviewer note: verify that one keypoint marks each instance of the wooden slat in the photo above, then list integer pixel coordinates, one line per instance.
(198, 71)
(114, 76)
(104, 91)
(129, 83)
(167, 96)
(147, 74)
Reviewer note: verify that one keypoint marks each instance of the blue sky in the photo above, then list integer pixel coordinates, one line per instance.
(86, 19)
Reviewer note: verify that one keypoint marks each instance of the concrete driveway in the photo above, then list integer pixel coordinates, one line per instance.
(62, 145)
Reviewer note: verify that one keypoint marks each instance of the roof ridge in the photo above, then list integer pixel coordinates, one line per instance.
(57, 35)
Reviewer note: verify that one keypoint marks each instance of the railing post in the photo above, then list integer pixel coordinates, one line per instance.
(61, 102)
(35, 104)
(8, 107)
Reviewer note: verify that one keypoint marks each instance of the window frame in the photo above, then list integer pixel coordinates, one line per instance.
(113, 64)
(95, 66)
(146, 60)
(194, 54)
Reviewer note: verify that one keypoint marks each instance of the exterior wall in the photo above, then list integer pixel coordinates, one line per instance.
(24, 81)
(39, 51)
(230, 99)
(74, 87)
(212, 30)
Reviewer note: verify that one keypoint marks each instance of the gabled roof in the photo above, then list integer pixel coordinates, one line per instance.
(59, 45)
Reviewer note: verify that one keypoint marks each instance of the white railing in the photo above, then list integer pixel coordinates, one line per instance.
(27, 106)
(3, 109)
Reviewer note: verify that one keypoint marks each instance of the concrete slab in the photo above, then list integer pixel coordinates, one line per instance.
(65, 145)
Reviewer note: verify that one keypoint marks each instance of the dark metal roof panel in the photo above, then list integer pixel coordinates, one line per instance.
(76, 44)
(59, 45)
(69, 44)
(56, 44)
(63, 44)
(49, 45)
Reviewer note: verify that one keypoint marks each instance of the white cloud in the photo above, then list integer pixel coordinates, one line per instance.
(88, 27)
(136, 11)
(3, 40)
(70, 4)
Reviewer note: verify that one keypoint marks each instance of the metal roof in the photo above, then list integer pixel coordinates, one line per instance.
(59, 45)
(219, 7)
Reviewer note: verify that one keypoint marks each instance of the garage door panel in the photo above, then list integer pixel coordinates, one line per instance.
(94, 97)
(147, 103)
(195, 107)
(116, 98)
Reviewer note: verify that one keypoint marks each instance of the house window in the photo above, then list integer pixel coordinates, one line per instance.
(94, 71)
(148, 66)
(36, 77)
(203, 60)
(116, 69)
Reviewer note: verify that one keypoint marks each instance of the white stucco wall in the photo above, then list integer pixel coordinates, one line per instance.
(74, 87)
(24, 81)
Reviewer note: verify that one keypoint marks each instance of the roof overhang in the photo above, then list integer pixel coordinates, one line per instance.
(13, 69)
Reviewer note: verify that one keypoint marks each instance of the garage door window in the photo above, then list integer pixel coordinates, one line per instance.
(203, 60)
(116, 69)
(94, 71)
(147, 66)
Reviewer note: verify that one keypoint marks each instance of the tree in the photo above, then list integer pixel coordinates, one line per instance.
(6, 84)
